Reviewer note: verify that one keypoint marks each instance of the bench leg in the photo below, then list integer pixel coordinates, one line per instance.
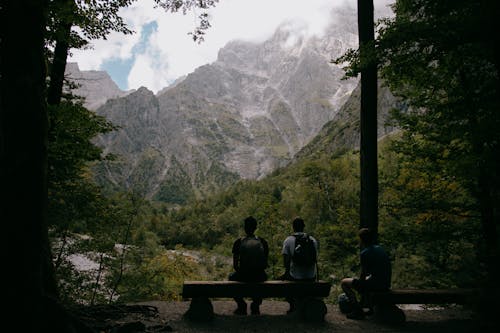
(390, 314)
(200, 309)
(312, 309)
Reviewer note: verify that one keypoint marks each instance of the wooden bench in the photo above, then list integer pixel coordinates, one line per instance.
(310, 308)
(384, 303)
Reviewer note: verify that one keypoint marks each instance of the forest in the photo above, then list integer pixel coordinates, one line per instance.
(438, 186)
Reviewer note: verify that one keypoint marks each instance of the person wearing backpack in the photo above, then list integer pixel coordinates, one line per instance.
(250, 255)
(300, 253)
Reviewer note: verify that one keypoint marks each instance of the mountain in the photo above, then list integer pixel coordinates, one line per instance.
(95, 86)
(343, 131)
(240, 117)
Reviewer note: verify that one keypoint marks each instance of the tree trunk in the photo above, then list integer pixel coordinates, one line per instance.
(58, 67)
(30, 292)
(23, 126)
(368, 120)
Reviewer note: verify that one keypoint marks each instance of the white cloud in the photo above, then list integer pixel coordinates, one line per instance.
(171, 53)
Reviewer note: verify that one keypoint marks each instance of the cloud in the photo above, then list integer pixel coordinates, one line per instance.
(161, 50)
(150, 68)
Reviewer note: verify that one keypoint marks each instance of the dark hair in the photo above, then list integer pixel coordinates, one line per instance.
(250, 224)
(367, 235)
(298, 224)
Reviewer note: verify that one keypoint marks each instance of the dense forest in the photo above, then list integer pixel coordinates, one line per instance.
(438, 184)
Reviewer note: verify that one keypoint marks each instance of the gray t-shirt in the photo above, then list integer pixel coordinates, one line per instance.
(296, 271)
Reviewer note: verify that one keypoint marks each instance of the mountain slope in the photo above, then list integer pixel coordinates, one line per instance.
(343, 132)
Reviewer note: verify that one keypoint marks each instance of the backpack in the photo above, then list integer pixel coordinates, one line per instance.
(304, 253)
(345, 305)
(252, 255)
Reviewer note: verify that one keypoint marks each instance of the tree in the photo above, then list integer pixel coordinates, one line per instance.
(31, 286)
(72, 194)
(439, 58)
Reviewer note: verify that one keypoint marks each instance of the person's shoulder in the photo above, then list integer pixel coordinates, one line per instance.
(381, 249)
(289, 239)
(373, 249)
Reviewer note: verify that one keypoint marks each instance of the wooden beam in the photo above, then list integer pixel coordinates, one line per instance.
(192, 289)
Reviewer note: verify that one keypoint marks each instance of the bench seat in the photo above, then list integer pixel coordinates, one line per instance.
(266, 289)
(384, 303)
(423, 296)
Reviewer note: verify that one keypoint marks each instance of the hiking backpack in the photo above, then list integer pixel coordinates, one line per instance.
(304, 253)
(252, 254)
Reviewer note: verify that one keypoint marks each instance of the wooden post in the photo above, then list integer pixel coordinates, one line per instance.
(368, 119)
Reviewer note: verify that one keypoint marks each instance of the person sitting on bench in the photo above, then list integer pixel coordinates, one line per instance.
(300, 253)
(250, 255)
(375, 275)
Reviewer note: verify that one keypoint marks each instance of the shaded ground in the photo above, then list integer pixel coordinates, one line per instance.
(273, 318)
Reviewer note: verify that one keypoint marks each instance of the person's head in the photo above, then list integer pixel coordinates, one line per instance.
(250, 225)
(366, 236)
(298, 224)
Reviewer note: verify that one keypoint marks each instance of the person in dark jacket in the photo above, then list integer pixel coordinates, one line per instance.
(250, 256)
(375, 274)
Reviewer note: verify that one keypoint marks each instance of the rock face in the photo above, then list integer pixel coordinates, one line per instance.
(95, 86)
(240, 117)
(343, 131)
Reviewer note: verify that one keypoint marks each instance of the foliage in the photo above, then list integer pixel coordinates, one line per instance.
(436, 56)
(157, 277)
(430, 225)
(93, 19)
(71, 194)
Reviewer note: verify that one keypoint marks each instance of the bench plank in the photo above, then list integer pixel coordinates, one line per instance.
(210, 289)
(423, 296)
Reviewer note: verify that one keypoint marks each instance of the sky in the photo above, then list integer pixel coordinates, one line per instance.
(161, 50)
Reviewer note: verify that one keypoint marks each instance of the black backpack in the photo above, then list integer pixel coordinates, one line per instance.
(252, 255)
(304, 253)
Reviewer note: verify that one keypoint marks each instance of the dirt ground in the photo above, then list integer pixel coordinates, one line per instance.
(273, 318)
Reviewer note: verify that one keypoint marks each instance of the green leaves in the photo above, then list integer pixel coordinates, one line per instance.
(72, 128)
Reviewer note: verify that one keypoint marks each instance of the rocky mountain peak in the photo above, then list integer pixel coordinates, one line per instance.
(242, 116)
(96, 87)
